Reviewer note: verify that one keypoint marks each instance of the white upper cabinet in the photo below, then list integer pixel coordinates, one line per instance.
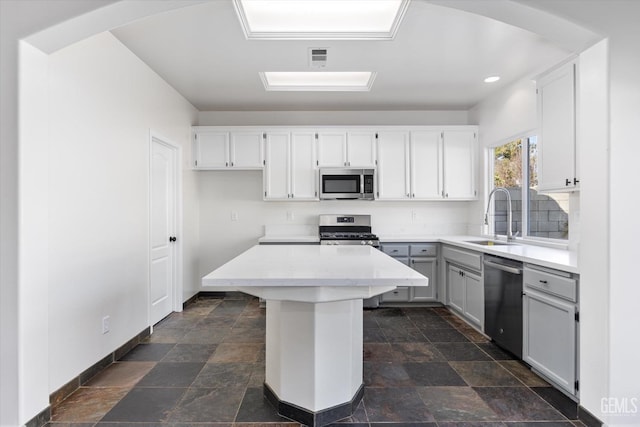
(276, 171)
(304, 176)
(557, 166)
(393, 165)
(211, 149)
(458, 149)
(224, 148)
(290, 172)
(352, 148)
(361, 149)
(246, 150)
(426, 165)
(332, 148)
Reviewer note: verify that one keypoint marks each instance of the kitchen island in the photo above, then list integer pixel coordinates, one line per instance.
(314, 298)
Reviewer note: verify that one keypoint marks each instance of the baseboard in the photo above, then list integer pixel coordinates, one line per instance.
(66, 390)
(587, 418)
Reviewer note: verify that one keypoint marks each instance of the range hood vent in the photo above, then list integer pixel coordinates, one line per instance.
(318, 57)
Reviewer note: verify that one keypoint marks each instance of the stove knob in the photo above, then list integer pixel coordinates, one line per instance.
(362, 242)
(370, 243)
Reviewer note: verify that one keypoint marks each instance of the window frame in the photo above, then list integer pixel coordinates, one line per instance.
(489, 186)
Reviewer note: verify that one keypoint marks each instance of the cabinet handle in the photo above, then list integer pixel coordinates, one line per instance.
(544, 282)
(226, 164)
(575, 181)
(446, 195)
(408, 195)
(413, 195)
(232, 164)
(567, 182)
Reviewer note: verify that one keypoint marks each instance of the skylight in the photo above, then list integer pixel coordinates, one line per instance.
(317, 80)
(320, 19)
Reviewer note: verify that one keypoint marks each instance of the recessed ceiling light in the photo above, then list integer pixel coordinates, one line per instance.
(492, 79)
(318, 80)
(320, 19)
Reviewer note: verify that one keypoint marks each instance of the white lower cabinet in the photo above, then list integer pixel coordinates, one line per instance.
(289, 169)
(550, 323)
(474, 298)
(422, 257)
(428, 268)
(465, 286)
(455, 287)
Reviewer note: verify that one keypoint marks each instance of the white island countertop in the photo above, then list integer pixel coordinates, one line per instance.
(313, 265)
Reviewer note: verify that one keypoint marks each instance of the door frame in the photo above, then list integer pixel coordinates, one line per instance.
(176, 292)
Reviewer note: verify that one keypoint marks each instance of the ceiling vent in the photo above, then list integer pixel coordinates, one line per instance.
(318, 57)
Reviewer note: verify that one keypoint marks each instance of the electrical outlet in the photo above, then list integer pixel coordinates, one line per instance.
(234, 216)
(106, 320)
(289, 216)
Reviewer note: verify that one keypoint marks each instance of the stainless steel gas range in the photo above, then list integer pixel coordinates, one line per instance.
(347, 230)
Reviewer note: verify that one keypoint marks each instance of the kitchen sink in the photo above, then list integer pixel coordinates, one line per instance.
(488, 242)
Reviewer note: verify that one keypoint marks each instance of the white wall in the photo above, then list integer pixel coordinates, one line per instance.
(22, 389)
(103, 102)
(508, 113)
(33, 225)
(328, 118)
(593, 134)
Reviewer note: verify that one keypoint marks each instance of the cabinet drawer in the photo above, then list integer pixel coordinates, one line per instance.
(423, 249)
(401, 293)
(396, 250)
(469, 259)
(564, 287)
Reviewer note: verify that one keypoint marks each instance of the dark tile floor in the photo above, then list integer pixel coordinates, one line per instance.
(422, 367)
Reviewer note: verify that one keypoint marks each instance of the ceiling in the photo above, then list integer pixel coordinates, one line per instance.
(437, 61)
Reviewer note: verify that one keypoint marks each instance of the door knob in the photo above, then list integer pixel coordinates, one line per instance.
(173, 239)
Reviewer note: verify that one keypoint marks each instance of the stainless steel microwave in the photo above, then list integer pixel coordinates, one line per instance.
(347, 184)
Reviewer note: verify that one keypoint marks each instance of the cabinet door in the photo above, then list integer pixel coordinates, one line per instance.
(303, 166)
(455, 287)
(276, 169)
(474, 298)
(246, 150)
(211, 149)
(401, 293)
(459, 164)
(426, 267)
(426, 169)
(361, 149)
(393, 162)
(557, 143)
(550, 338)
(332, 149)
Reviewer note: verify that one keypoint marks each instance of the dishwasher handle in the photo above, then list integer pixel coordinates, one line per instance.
(507, 268)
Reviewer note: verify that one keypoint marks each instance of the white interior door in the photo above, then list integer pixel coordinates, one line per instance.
(163, 210)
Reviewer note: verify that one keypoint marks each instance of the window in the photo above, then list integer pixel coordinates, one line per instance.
(513, 166)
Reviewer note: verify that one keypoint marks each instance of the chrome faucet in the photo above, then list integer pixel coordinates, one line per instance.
(509, 211)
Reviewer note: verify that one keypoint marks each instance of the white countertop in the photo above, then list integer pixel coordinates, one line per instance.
(313, 265)
(547, 257)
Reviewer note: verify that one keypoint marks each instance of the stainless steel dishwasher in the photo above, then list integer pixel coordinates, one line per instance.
(503, 302)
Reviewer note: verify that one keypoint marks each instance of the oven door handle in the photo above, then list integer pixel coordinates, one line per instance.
(508, 269)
